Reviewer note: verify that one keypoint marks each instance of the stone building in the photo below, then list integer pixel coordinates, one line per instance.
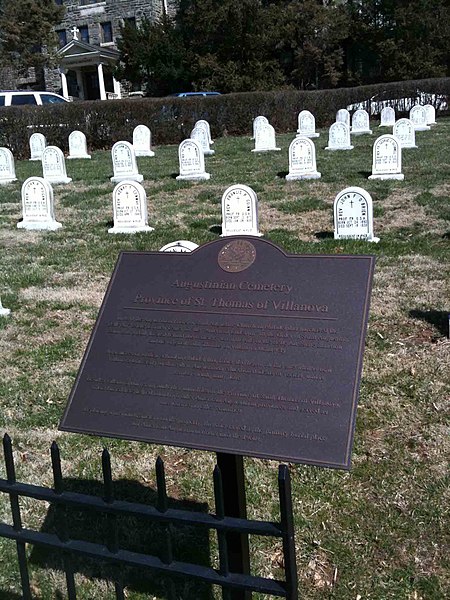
(87, 45)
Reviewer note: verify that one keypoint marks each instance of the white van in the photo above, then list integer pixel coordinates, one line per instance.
(21, 98)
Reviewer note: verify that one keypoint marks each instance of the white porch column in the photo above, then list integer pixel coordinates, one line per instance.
(80, 84)
(117, 88)
(101, 82)
(65, 89)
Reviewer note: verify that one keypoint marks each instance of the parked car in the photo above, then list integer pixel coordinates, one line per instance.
(23, 97)
(189, 94)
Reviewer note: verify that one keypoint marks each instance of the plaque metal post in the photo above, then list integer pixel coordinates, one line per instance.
(232, 470)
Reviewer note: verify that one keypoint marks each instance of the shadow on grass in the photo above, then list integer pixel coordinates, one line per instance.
(365, 174)
(9, 596)
(438, 318)
(325, 235)
(282, 174)
(216, 229)
(135, 534)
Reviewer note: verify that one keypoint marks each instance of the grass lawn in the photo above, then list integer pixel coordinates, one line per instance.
(378, 532)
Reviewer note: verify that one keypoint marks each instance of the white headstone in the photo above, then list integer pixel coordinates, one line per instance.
(37, 145)
(265, 139)
(130, 208)
(240, 211)
(38, 205)
(343, 116)
(205, 123)
(200, 134)
(387, 117)
(353, 215)
(430, 114)
(302, 160)
(404, 131)
(257, 122)
(7, 168)
(339, 137)
(54, 165)
(360, 122)
(142, 141)
(179, 246)
(4, 312)
(387, 158)
(124, 163)
(418, 116)
(307, 124)
(78, 145)
(192, 161)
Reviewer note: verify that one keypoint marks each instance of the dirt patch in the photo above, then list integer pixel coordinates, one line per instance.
(90, 294)
(306, 224)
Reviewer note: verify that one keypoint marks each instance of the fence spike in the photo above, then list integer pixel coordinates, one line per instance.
(221, 535)
(107, 476)
(287, 525)
(56, 468)
(9, 459)
(162, 504)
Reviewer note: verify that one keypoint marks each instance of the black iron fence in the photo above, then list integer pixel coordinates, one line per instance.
(165, 565)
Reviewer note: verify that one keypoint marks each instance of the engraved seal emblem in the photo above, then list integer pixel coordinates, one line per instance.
(237, 256)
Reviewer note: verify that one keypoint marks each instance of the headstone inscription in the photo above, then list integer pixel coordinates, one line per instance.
(237, 347)
(265, 139)
(7, 167)
(430, 113)
(353, 215)
(200, 134)
(37, 145)
(4, 312)
(204, 123)
(179, 246)
(339, 137)
(54, 165)
(302, 160)
(192, 161)
(387, 117)
(404, 131)
(387, 158)
(418, 117)
(257, 122)
(78, 145)
(307, 124)
(130, 208)
(142, 139)
(343, 116)
(38, 205)
(240, 211)
(360, 123)
(124, 163)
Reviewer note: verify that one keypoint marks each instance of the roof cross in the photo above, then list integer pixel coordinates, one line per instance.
(75, 31)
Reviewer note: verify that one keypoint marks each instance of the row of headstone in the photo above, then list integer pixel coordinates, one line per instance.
(421, 116)
(264, 135)
(201, 133)
(77, 145)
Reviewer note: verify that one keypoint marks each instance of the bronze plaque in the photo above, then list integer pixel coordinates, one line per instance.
(236, 347)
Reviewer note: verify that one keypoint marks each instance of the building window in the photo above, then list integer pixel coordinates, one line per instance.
(62, 37)
(59, 2)
(84, 33)
(106, 32)
(131, 21)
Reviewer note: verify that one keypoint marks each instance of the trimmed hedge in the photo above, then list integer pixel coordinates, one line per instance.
(171, 119)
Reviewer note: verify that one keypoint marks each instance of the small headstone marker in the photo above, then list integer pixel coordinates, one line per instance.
(257, 122)
(418, 116)
(204, 123)
(54, 165)
(387, 117)
(38, 205)
(302, 160)
(307, 124)
(179, 246)
(339, 137)
(404, 131)
(192, 161)
(387, 158)
(430, 114)
(37, 145)
(78, 145)
(353, 215)
(124, 163)
(239, 211)
(200, 134)
(265, 139)
(343, 116)
(360, 123)
(7, 168)
(4, 312)
(130, 208)
(142, 141)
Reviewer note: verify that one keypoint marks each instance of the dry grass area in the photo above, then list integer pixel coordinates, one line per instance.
(379, 532)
